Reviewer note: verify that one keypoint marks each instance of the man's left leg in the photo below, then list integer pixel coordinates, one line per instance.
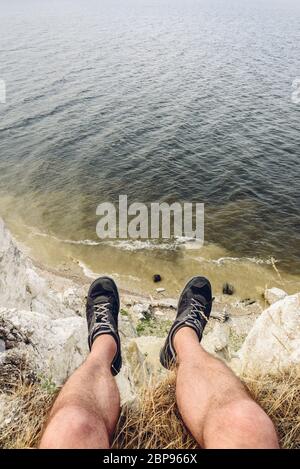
(87, 409)
(212, 401)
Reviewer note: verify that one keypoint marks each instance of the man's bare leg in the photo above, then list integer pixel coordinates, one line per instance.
(87, 409)
(213, 402)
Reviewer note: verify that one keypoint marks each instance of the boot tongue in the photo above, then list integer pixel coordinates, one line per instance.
(200, 299)
(101, 299)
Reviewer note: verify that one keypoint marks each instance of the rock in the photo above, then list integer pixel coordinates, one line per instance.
(220, 315)
(141, 310)
(248, 302)
(143, 357)
(272, 295)
(217, 339)
(54, 347)
(136, 363)
(126, 385)
(2, 346)
(150, 347)
(273, 344)
(165, 303)
(159, 314)
(241, 326)
(13, 268)
(228, 289)
(34, 292)
(3, 409)
(157, 278)
(126, 328)
(134, 356)
(160, 290)
(51, 349)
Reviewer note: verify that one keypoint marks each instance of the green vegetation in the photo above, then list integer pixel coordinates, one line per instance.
(236, 340)
(151, 326)
(48, 385)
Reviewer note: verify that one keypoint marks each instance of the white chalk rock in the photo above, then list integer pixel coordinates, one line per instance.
(142, 355)
(274, 294)
(55, 347)
(14, 289)
(140, 308)
(126, 385)
(217, 339)
(25, 287)
(273, 344)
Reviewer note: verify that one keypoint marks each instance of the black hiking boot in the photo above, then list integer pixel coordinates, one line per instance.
(193, 311)
(102, 310)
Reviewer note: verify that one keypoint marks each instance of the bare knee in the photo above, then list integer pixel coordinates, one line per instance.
(79, 420)
(243, 424)
(252, 424)
(73, 424)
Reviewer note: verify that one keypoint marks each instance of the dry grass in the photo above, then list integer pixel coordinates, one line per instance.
(26, 410)
(154, 422)
(280, 398)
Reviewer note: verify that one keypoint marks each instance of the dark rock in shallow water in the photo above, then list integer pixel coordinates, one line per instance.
(248, 301)
(156, 278)
(228, 289)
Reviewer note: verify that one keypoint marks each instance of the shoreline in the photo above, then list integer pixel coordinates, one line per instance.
(133, 270)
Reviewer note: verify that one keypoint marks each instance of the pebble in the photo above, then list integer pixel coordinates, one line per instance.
(157, 278)
(228, 289)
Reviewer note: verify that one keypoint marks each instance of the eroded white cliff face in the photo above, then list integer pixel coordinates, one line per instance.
(22, 285)
(55, 347)
(38, 325)
(43, 329)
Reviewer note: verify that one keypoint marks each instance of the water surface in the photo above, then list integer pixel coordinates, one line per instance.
(161, 100)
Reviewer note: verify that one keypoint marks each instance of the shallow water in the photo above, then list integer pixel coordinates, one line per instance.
(177, 100)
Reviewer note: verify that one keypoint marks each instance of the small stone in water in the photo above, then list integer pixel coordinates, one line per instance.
(157, 278)
(248, 301)
(228, 289)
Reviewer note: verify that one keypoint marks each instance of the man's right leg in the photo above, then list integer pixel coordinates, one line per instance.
(86, 411)
(213, 402)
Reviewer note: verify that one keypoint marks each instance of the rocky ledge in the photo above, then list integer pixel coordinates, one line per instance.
(43, 332)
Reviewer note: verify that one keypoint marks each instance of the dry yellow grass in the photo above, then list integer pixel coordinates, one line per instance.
(153, 422)
(28, 407)
(156, 423)
(280, 398)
